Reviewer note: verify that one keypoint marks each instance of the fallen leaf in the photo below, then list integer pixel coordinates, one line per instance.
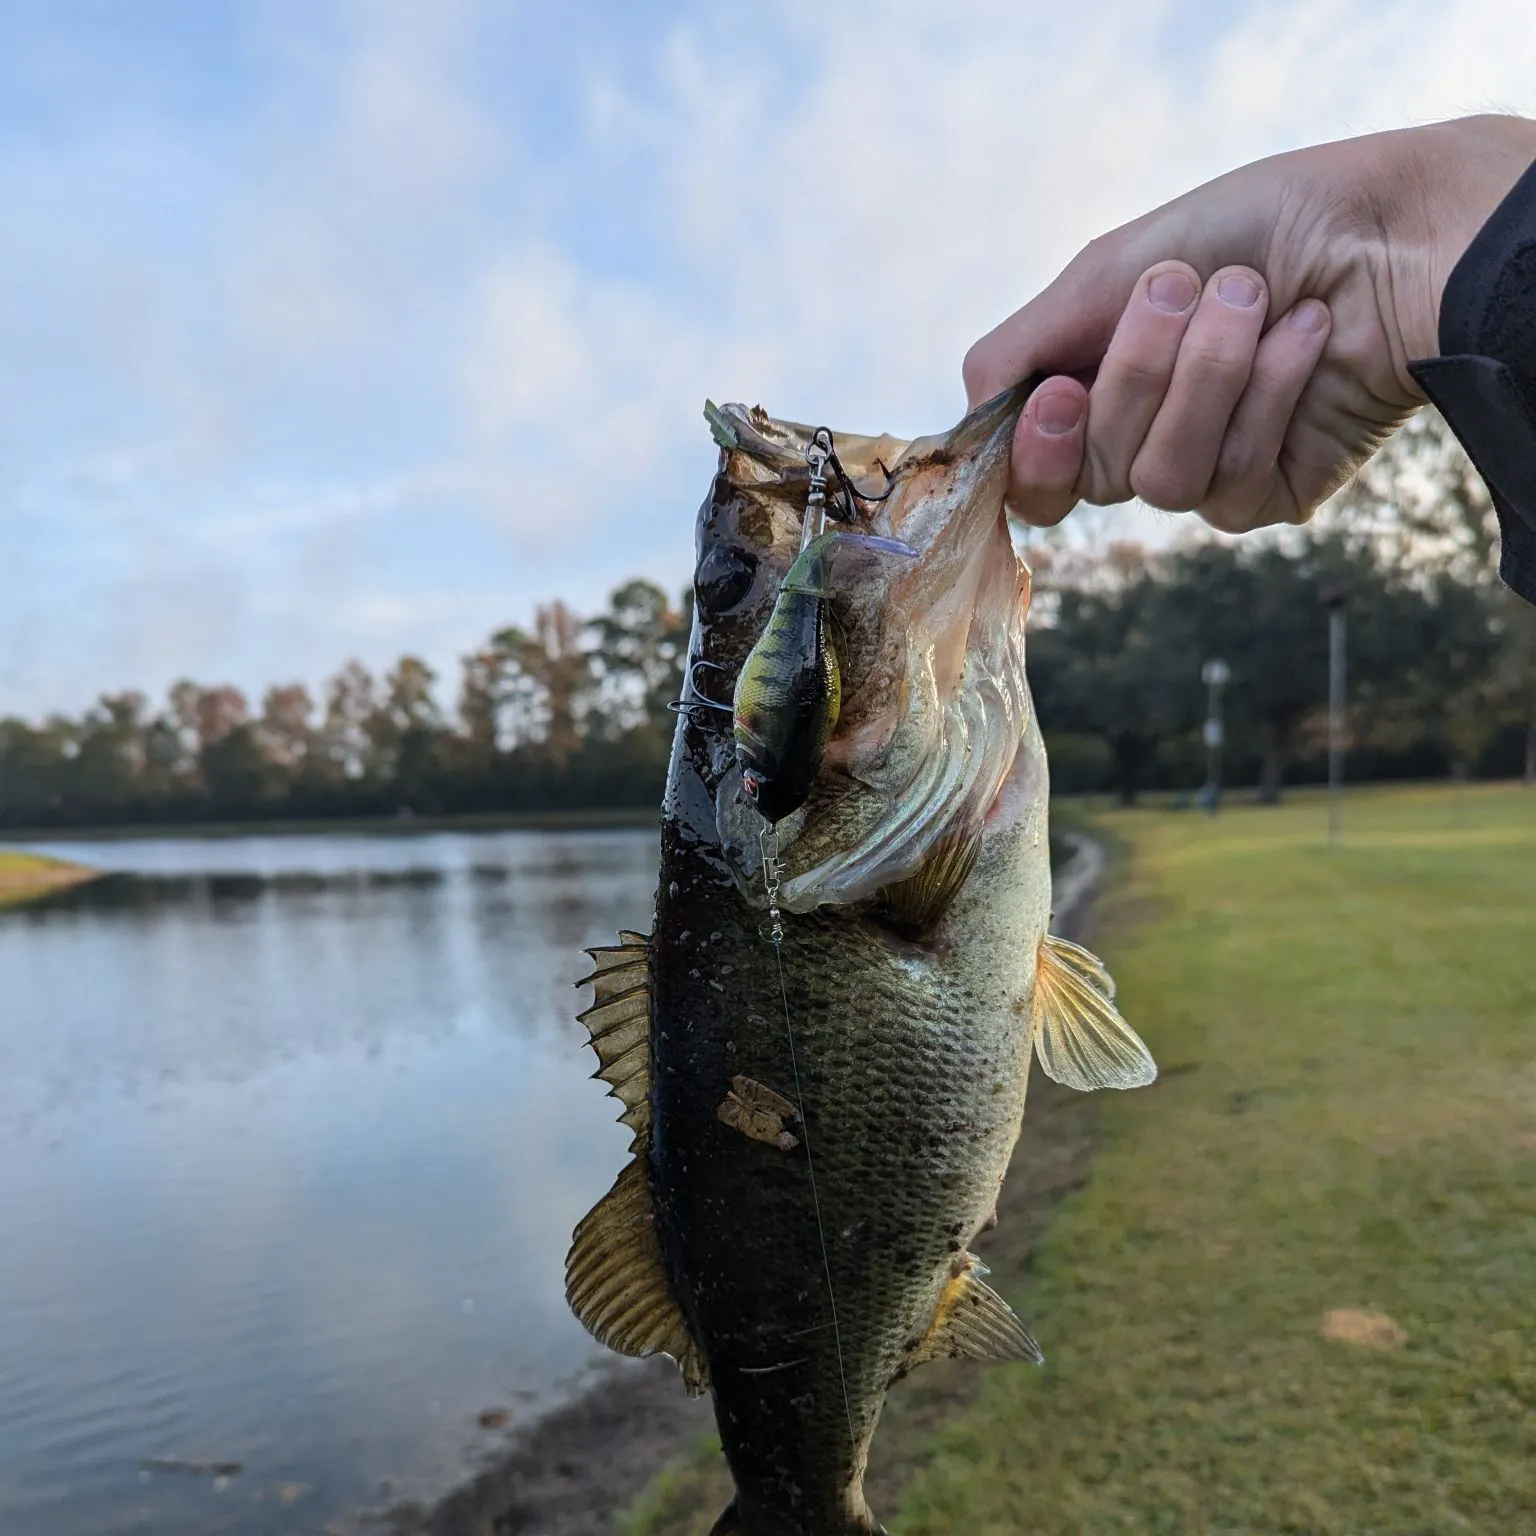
(1370, 1330)
(493, 1418)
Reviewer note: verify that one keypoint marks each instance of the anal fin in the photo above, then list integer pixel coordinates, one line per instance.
(973, 1322)
(1078, 1033)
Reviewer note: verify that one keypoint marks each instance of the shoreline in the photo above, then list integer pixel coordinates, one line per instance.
(26, 877)
(603, 818)
(577, 1470)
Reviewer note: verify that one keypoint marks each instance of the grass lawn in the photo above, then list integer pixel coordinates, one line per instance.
(1346, 1124)
(25, 876)
(1297, 1292)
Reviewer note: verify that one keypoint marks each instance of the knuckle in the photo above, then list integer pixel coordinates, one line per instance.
(1102, 483)
(1172, 264)
(1238, 465)
(1219, 352)
(1165, 487)
(1143, 372)
(975, 368)
(1228, 513)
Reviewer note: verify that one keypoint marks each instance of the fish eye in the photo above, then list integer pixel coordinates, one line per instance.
(724, 577)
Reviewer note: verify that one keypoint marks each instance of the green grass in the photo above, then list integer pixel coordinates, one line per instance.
(25, 876)
(1347, 1119)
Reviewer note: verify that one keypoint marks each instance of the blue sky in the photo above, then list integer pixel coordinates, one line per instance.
(348, 329)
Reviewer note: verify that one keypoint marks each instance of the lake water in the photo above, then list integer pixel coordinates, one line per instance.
(293, 1132)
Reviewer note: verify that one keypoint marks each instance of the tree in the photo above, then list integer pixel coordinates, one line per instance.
(405, 730)
(1105, 668)
(285, 731)
(636, 659)
(1264, 610)
(548, 674)
(345, 745)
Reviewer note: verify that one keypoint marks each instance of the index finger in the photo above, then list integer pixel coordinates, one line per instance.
(1064, 329)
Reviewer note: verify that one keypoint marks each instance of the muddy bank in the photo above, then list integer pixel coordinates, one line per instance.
(576, 1471)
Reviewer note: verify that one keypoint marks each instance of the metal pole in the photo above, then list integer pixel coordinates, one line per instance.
(1336, 642)
(1218, 736)
(1214, 675)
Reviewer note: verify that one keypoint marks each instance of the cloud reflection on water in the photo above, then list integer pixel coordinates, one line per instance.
(285, 1167)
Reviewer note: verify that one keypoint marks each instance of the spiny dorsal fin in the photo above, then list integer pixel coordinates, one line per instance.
(616, 1284)
(919, 901)
(615, 1281)
(1079, 1036)
(619, 1023)
(973, 1322)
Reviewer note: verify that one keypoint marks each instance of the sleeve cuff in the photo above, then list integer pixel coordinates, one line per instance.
(1489, 413)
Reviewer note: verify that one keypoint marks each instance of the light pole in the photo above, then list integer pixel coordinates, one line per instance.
(1335, 596)
(1215, 674)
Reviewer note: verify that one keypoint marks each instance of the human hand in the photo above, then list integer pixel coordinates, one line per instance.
(1241, 351)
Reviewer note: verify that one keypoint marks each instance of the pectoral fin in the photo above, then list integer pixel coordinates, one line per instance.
(974, 1323)
(615, 1280)
(1079, 1036)
(919, 901)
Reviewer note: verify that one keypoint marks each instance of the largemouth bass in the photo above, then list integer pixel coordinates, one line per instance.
(822, 1120)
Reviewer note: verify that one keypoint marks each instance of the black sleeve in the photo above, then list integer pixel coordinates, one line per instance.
(1484, 381)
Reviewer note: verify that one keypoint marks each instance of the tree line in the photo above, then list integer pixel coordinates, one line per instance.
(567, 713)
(572, 713)
(1441, 658)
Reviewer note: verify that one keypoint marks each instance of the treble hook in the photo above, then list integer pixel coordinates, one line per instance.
(848, 508)
(686, 706)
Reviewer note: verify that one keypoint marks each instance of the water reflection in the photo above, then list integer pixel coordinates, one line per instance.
(292, 1136)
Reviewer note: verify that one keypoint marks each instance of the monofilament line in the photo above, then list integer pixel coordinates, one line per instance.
(776, 938)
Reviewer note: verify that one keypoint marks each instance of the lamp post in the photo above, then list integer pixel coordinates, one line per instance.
(1336, 596)
(1215, 674)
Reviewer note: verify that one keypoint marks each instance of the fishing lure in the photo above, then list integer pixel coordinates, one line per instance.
(789, 690)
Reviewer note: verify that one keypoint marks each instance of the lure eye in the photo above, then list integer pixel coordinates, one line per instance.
(751, 783)
(724, 577)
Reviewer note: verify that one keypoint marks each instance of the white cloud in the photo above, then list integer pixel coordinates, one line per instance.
(414, 311)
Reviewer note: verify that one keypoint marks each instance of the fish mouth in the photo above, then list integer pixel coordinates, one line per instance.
(935, 700)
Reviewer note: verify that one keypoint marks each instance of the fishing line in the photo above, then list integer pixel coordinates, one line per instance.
(772, 870)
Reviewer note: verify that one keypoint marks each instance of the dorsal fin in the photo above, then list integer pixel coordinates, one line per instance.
(616, 1284)
(973, 1322)
(615, 1279)
(619, 1023)
(1079, 1036)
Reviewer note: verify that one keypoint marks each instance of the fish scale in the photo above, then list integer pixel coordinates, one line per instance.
(913, 1067)
(824, 1101)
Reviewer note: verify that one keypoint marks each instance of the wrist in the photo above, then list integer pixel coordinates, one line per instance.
(1453, 176)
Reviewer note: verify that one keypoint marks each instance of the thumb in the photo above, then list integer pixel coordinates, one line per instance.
(1064, 329)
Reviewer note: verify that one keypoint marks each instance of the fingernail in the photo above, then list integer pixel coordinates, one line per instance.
(1239, 290)
(1172, 292)
(1311, 315)
(1058, 414)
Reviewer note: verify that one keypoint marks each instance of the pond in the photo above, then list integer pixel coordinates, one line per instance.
(293, 1133)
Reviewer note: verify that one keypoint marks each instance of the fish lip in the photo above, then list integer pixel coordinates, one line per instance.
(980, 424)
